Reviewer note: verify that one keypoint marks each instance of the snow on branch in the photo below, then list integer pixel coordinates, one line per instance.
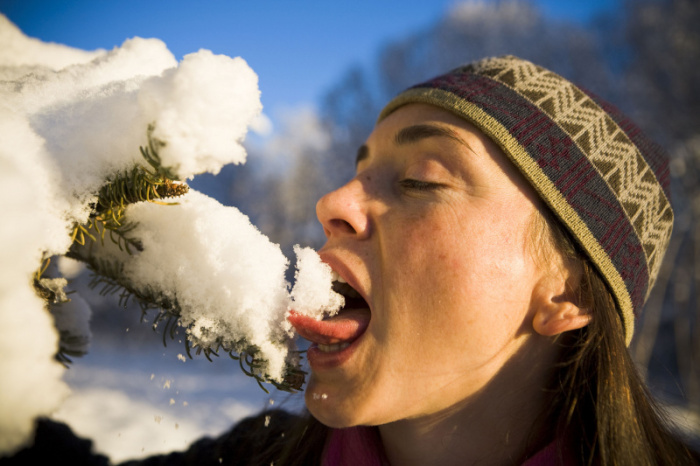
(95, 152)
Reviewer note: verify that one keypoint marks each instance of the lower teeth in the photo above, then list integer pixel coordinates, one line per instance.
(333, 347)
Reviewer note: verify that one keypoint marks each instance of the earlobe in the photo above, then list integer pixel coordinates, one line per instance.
(567, 317)
(556, 310)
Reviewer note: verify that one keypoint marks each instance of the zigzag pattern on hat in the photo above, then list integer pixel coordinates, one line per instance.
(608, 147)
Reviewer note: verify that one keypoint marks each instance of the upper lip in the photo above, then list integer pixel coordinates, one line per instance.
(341, 269)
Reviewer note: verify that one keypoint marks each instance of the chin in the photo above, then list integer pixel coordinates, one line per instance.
(331, 408)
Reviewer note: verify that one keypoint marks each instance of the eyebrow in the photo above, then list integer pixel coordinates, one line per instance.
(417, 133)
(413, 134)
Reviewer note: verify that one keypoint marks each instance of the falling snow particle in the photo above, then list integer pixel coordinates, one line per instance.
(181, 357)
(184, 403)
(166, 385)
(157, 419)
(271, 401)
(267, 421)
(172, 401)
(324, 396)
(153, 376)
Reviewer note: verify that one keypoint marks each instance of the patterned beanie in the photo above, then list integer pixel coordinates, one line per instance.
(605, 181)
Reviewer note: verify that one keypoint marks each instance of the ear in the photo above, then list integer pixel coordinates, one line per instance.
(556, 309)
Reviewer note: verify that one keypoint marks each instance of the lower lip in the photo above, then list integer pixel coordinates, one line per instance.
(320, 360)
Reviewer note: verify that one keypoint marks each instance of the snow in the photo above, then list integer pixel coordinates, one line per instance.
(30, 380)
(313, 294)
(69, 268)
(19, 50)
(228, 278)
(203, 133)
(70, 120)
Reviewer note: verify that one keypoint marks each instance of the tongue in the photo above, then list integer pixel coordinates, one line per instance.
(346, 326)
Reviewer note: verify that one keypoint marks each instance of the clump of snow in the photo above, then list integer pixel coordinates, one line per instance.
(30, 379)
(68, 126)
(69, 268)
(31, 89)
(313, 293)
(200, 109)
(227, 277)
(203, 110)
(19, 50)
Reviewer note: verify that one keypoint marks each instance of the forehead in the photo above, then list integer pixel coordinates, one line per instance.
(413, 114)
(415, 123)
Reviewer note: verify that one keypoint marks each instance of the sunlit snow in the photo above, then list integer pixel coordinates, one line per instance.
(71, 119)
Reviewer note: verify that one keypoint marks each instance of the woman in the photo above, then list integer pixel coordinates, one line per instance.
(502, 232)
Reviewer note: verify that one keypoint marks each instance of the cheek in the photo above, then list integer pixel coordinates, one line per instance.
(469, 262)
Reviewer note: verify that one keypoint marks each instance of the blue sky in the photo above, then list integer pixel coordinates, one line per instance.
(297, 47)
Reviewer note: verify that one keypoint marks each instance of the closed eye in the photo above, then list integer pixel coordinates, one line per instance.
(418, 185)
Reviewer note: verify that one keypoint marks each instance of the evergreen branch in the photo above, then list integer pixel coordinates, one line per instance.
(130, 187)
(109, 275)
(63, 358)
(42, 268)
(150, 154)
(144, 184)
(123, 241)
(139, 184)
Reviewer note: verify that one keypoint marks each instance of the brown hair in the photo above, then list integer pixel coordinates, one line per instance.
(599, 399)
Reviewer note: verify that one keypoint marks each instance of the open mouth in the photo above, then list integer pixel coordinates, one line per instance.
(336, 332)
(353, 299)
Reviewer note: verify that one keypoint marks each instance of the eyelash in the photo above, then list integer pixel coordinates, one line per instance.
(418, 185)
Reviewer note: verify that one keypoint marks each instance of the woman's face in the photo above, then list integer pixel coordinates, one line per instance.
(433, 233)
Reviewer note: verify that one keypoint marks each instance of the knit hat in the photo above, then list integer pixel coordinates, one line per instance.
(605, 181)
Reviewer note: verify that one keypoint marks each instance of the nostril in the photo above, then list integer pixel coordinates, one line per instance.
(341, 225)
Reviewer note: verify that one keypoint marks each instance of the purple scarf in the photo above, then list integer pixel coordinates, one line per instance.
(361, 446)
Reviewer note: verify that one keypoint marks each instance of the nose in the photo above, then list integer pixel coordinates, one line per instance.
(343, 212)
